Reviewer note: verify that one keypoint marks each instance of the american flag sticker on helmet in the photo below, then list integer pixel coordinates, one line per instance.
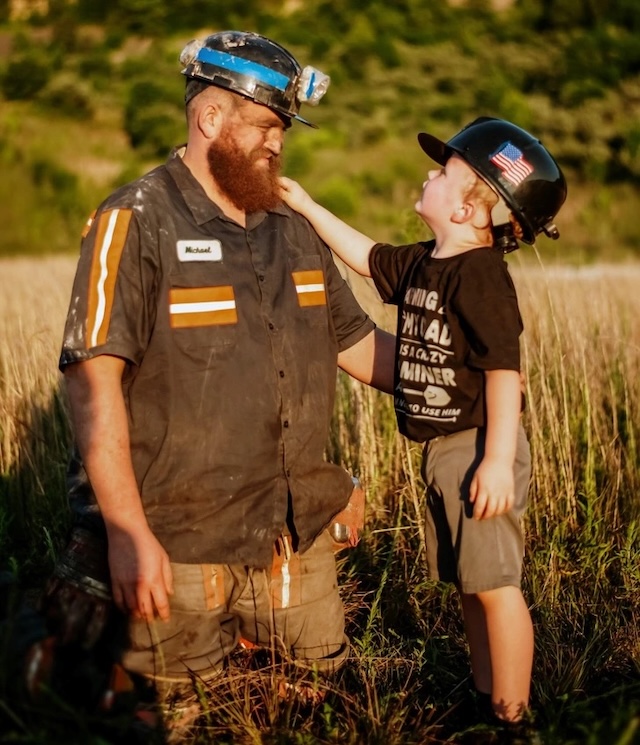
(202, 306)
(111, 235)
(310, 287)
(512, 163)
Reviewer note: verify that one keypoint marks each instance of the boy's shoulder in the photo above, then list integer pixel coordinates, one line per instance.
(481, 261)
(484, 255)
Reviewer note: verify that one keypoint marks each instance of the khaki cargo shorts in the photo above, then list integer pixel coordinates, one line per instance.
(476, 555)
(294, 606)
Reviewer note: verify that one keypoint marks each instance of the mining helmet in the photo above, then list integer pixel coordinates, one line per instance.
(254, 67)
(515, 164)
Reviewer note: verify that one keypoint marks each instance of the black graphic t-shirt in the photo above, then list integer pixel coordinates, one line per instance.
(457, 317)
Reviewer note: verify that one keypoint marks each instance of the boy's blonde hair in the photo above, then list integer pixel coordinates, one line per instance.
(479, 191)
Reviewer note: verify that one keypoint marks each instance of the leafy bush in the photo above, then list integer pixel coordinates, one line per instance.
(298, 157)
(155, 129)
(57, 184)
(153, 121)
(378, 182)
(339, 196)
(68, 96)
(25, 75)
(96, 67)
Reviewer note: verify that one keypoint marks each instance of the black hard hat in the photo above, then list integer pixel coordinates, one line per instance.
(516, 164)
(254, 67)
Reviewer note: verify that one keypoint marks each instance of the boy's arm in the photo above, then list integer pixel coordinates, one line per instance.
(492, 486)
(349, 244)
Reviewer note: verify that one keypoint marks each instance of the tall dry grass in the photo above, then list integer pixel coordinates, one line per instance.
(34, 433)
(409, 670)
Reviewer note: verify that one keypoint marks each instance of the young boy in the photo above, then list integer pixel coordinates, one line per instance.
(457, 377)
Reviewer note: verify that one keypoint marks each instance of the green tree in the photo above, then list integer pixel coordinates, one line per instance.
(26, 74)
(140, 16)
(94, 11)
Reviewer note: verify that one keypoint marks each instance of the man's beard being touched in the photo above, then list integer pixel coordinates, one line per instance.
(249, 187)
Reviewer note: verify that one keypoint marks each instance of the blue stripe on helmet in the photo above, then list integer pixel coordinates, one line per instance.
(244, 67)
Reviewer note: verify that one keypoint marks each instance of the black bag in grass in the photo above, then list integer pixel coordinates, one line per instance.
(86, 631)
(68, 646)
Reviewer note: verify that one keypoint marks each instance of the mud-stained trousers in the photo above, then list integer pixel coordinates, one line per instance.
(293, 607)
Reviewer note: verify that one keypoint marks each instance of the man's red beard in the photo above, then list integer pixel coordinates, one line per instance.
(249, 187)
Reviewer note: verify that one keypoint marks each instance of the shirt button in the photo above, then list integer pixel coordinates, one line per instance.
(282, 373)
(261, 277)
(271, 327)
(288, 472)
(285, 424)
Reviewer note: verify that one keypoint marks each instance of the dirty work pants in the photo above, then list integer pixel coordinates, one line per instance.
(294, 606)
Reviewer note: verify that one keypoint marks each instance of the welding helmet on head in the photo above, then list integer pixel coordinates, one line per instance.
(515, 164)
(254, 67)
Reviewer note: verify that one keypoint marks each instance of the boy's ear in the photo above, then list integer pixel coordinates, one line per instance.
(463, 213)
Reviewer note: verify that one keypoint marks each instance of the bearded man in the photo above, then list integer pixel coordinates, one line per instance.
(200, 353)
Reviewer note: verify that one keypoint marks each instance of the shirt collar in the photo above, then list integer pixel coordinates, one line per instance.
(201, 207)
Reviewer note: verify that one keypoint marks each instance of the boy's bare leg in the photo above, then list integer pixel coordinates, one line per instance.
(499, 628)
(476, 632)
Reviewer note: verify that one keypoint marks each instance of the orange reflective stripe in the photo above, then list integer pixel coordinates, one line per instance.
(111, 236)
(202, 306)
(310, 287)
(88, 224)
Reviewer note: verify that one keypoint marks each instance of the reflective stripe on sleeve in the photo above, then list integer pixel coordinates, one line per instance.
(111, 237)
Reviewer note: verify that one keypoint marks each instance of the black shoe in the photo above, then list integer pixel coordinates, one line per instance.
(522, 732)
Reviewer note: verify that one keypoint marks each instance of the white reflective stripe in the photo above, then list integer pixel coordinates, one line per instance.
(309, 288)
(286, 584)
(104, 252)
(175, 308)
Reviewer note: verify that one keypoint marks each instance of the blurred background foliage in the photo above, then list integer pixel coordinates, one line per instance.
(91, 96)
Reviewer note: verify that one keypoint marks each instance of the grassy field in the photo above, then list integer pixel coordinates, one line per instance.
(408, 677)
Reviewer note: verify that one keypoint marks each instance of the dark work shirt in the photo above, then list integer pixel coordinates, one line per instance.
(458, 317)
(232, 336)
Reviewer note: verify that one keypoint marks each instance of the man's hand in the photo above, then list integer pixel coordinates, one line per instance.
(353, 515)
(141, 578)
(140, 571)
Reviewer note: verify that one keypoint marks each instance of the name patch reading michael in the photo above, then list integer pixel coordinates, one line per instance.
(199, 250)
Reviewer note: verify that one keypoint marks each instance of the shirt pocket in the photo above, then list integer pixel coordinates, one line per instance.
(203, 316)
(310, 285)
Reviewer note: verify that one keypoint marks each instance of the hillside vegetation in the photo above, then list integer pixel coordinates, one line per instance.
(91, 96)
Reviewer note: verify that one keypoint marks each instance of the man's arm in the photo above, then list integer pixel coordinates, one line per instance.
(139, 566)
(348, 243)
(492, 486)
(371, 360)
